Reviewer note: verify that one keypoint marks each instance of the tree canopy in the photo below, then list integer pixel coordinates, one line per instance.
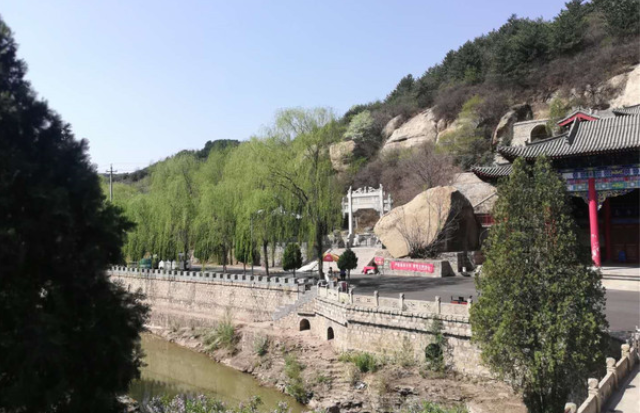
(69, 338)
(539, 319)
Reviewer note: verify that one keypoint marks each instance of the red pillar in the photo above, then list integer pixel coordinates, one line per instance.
(607, 229)
(593, 223)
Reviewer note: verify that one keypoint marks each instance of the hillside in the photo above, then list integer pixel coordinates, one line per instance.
(464, 106)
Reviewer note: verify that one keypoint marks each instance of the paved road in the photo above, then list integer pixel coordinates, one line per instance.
(627, 398)
(623, 302)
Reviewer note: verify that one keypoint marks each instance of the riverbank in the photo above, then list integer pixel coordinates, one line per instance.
(338, 386)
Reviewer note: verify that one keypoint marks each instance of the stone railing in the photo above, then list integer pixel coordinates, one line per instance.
(399, 304)
(601, 391)
(204, 277)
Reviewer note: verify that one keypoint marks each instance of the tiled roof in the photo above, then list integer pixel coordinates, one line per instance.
(492, 171)
(609, 135)
(629, 110)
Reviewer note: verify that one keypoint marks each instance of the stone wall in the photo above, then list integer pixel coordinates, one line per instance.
(366, 323)
(522, 131)
(187, 298)
(386, 326)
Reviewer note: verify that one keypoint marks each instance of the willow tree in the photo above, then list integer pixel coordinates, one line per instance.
(174, 195)
(300, 168)
(539, 319)
(216, 220)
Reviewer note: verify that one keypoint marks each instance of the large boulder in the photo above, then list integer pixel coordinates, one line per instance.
(419, 129)
(340, 154)
(391, 126)
(481, 194)
(439, 214)
(504, 131)
(629, 86)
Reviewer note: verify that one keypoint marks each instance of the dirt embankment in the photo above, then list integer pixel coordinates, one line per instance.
(339, 386)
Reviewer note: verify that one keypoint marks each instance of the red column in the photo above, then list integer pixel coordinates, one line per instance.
(607, 229)
(593, 223)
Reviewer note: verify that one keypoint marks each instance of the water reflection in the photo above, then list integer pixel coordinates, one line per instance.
(172, 369)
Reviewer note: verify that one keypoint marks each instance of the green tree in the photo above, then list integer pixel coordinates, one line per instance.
(622, 16)
(69, 338)
(297, 159)
(348, 261)
(569, 28)
(292, 258)
(539, 319)
(467, 144)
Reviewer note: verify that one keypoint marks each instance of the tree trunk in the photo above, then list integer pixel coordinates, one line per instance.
(266, 257)
(319, 248)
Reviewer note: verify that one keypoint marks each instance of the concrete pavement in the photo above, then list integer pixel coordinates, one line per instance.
(627, 398)
(623, 296)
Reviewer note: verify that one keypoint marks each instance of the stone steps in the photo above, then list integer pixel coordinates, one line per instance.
(286, 310)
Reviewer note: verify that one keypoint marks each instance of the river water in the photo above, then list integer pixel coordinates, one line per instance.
(172, 369)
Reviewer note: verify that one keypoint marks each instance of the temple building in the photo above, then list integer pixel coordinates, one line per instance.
(598, 155)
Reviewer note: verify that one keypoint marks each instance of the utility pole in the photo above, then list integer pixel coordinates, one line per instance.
(111, 171)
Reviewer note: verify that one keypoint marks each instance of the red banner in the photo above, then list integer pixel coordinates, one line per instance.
(378, 260)
(412, 266)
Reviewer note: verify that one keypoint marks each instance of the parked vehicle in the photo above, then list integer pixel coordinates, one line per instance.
(369, 269)
(145, 264)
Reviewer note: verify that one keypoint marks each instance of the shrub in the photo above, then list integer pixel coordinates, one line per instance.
(430, 407)
(434, 352)
(353, 374)
(295, 386)
(224, 336)
(261, 345)
(404, 357)
(365, 362)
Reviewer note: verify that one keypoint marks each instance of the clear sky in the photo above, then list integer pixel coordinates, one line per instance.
(143, 79)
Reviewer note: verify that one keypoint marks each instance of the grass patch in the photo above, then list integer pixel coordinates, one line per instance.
(261, 345)
(365, 362)
(295, 383)
(430, 407)
(224, 336)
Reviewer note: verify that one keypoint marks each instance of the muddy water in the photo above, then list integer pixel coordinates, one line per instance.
(172, 369)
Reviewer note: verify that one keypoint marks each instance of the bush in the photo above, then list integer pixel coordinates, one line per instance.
(434, 352)
(224, 336)
(261, 345)
(295, 386)
(365, 362)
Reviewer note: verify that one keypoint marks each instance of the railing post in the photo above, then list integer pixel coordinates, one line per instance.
(376, 296)
(611, 368)
(350, 295)
(401, 302)
(595, 392)
(438, 302)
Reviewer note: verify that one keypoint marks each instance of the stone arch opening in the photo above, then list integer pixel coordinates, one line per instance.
(330, 334)
(305, 325)
(539, 132)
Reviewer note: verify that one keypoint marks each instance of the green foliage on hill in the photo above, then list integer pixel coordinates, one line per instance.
(69, 338)
(539, 319)
(523, 60)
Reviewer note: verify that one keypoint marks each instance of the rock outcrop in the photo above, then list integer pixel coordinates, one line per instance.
(341, 154)
(480, 194)
(504, 131)
(629, 86)
(441, 214)
(419, 129)
(391, 126)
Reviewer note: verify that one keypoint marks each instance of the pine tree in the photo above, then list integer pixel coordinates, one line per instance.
(539, 320)
(69, 338)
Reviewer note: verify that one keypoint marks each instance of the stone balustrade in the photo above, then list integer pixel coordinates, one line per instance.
(400, 304)
(601, 391)
(204, 276)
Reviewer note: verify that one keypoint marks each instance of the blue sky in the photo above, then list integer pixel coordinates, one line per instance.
(142, 79)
